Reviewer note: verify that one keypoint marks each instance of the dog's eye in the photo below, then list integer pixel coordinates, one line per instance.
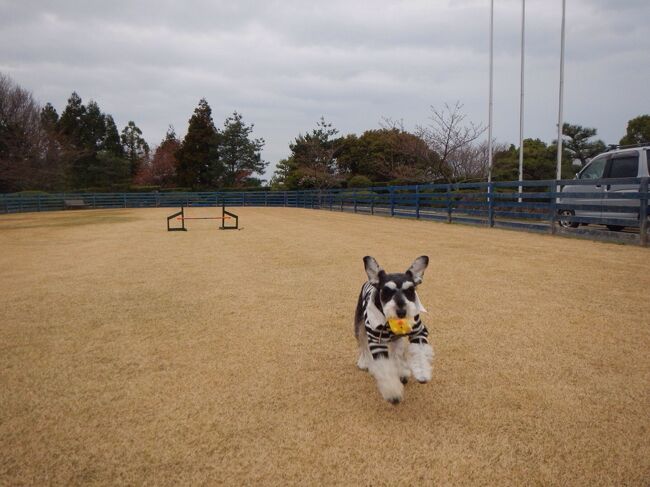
(410, 293)
(387, 293)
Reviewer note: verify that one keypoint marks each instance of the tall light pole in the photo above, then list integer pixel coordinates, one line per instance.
(561, 98)
(521, 97)
(490, 96)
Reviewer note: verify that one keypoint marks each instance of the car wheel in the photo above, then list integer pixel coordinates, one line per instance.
(564, 223)
(615, 228)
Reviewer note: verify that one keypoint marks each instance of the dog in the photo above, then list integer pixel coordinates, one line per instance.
(391, 358)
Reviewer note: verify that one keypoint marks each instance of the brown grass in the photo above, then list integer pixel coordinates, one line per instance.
(130, 355)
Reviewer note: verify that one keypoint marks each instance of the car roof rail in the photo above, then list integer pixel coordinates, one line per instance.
(627, 146)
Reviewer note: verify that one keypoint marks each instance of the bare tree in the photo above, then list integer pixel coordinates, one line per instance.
(452, 138)
(21, 137)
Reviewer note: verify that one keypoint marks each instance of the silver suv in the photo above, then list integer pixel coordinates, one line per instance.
(619, 162)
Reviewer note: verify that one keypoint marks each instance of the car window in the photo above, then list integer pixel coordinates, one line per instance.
(647, 158)
(594, 170)
(626, 166)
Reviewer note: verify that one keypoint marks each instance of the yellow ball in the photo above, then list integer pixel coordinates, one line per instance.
(400, 326)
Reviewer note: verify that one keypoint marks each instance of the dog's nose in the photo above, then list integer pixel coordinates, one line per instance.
(401, 313)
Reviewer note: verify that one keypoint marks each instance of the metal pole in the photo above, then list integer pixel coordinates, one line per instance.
(521, 98)
(561, 97)
(490, 96)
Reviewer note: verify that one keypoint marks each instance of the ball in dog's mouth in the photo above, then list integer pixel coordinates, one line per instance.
(400, 326)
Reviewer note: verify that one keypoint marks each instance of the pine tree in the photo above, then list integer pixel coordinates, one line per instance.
(578, 144)
(135, 147)
(239, 154)
(638, 130)
(70, 124)
(198, 160)
(112, 142)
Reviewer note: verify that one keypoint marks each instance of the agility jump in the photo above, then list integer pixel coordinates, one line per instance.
(225, 215)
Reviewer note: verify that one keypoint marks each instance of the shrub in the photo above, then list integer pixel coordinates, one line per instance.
(359, 181)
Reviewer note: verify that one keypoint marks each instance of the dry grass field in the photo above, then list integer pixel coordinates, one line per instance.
(132, 355)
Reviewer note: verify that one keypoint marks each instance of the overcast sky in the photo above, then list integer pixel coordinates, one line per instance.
(284, 64)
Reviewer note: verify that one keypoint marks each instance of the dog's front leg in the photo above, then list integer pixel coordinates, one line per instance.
(385, 370)
(420, 356)
(398, 352)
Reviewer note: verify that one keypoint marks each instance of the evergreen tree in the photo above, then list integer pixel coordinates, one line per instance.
(198, 161)
(135, 147)
(70, 124)
(314, 156)
(239, 154)
(638, 130)
(90, 147)
(76, 153)
(112, 142)
(578, 144)
(285, 176)
(540, 162)
(93, 127)
(49, 117)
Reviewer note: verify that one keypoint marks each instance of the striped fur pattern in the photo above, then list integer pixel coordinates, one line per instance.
(392, 358)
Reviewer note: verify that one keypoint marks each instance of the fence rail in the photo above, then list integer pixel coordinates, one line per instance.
(554, 206)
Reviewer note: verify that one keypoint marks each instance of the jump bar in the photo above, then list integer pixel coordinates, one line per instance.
(204, 218)
(226, 215)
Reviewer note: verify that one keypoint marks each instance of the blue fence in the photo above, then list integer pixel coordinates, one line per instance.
(564, 206)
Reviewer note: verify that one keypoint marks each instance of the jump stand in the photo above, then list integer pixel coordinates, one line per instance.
(225, 215)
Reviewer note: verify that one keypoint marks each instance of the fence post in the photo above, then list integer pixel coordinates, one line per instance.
(355, 201)
(449, 208)
(643, 212)
(331, 199)
(38, 202)
(392, 201)
(372, 204)
(124, 198)
(552, 209)
(417, 201)
(490, 191)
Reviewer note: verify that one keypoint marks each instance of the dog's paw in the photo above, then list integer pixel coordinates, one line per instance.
(391, 390)
(393, 395)
(362, 363)
(423, 376)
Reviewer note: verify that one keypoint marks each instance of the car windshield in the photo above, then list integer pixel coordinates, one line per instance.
(594, 170)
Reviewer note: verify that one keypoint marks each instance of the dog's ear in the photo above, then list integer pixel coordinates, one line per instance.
(374, 271)
(417, 268)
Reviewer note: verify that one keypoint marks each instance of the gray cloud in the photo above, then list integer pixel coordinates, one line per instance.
(283, 64)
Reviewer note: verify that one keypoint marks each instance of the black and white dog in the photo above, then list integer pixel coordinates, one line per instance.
(389, 357)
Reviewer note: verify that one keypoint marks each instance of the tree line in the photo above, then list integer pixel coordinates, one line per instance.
(82, 150)
(449, 148)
